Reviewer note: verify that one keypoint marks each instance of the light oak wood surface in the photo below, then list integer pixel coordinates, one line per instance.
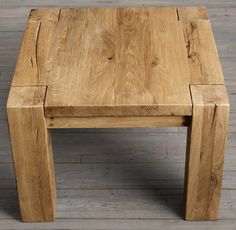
(205, 151)
(203, 60)
(32, 156)
(117, 122)
(106, 60)
(123, 67)
(192, 13)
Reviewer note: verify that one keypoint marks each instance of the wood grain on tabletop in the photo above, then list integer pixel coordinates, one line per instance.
(117, 75)
(203, 59)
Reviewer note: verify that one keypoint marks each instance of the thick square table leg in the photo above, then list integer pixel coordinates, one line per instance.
(32, 155)
(205, 151)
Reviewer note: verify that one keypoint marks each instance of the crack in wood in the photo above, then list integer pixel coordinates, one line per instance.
(193, 55)
(36, 51)
(214, 117)
(59, 15)
(36, 136)
(31, 62)
(177, 14)
(190, 41)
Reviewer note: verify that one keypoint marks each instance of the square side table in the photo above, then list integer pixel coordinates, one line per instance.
(114, 68)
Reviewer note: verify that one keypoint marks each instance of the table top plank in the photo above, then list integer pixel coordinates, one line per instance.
(26, 71)
(34, 64)
(192, 13)
(118, 61)
(47, 14)
(202, 53)
(203, 58)
(112, 59)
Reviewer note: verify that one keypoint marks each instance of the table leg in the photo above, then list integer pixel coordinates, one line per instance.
(32, 155)
(205, 151)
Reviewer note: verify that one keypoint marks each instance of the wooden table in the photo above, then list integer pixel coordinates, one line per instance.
(118, 67)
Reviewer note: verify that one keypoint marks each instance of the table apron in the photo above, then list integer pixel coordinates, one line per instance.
(118, 122)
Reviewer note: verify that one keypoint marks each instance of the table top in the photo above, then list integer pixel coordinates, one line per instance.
(118, 61)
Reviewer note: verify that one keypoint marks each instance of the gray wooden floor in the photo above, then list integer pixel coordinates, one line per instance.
(125, 178)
